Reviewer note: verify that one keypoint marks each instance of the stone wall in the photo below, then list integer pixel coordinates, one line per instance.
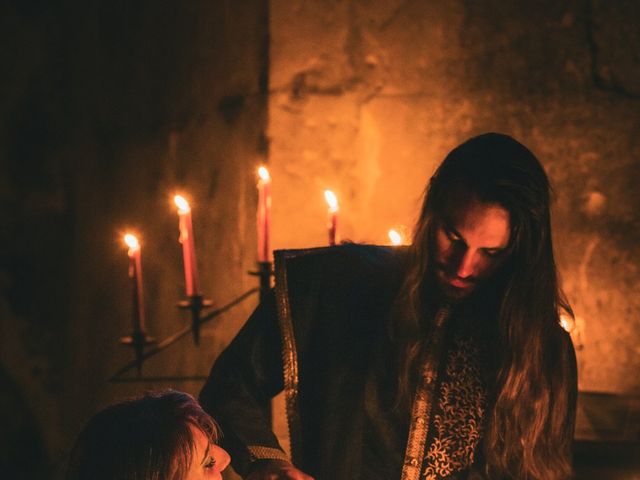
(367, 97)
(111, 107)
(108, 109)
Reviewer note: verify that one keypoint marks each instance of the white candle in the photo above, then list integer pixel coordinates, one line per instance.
(188, 246)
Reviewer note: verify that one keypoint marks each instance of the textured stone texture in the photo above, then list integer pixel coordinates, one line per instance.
(109, 108)
(368, 96)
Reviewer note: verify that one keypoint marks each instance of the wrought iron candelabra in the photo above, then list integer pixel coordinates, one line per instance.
(145, 347)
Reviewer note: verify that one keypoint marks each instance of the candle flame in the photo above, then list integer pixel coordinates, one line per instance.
(263, 173)
(567, 323)
(182, 204)
(332, 200)
(395, 237)
(132, 242)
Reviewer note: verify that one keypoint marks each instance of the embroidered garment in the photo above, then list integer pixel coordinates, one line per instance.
(323, 339)
(457, 422)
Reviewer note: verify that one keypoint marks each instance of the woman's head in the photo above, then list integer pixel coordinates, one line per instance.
(160, 436)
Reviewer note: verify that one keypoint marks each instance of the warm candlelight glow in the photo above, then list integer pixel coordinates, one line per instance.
(182, 204)
(575, 326)
(332, 225)
(395, 237)
(132, 242)
(263, 173)
(332, 200)
(188, 245)
(263, 214)
(135, 274)
(567, 323)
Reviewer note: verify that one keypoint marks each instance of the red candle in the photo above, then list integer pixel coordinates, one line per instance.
(188, 246)
(332, 225)
(135, 273)
(263, 214)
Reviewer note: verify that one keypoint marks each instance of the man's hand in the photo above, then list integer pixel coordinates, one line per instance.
(276, 470)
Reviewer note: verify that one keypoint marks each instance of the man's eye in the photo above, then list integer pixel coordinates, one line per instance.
(456, 241)
(491, 253)
(209, 462)
(451, 236)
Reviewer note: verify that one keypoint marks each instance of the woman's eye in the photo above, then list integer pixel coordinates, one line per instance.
(209, 462)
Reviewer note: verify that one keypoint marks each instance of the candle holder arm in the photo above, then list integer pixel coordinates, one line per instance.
(195, 304)
(264, 273)
(167, 342)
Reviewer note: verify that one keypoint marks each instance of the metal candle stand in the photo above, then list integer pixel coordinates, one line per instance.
(196, 304)
(138, 340)
(265, 272)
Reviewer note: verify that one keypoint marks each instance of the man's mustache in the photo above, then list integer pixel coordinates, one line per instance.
(451, 275)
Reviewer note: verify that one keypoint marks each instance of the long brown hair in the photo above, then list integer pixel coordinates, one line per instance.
(530, 426)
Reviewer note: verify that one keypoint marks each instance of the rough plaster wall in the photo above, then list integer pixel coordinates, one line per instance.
(367, 97)
(109, 108)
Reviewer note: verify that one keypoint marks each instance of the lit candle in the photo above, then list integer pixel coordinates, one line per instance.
(567, 322)
(263, 214)
(332, 225)
(188, 246)
(395, 237)
(135, 273)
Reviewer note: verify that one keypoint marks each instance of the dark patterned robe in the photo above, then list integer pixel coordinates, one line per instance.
(323, 338)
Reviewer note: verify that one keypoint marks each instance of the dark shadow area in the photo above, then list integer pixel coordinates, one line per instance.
(607, 437)
(22, 452)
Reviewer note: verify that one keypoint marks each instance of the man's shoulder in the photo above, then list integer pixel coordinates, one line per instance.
(348, 259)
(337, 290)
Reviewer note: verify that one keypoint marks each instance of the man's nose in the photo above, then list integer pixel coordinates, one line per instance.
(465, 264)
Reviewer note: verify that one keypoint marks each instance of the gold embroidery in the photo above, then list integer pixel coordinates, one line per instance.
(289, 350)
(458, 423)
(422, 403)
(260, 452)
